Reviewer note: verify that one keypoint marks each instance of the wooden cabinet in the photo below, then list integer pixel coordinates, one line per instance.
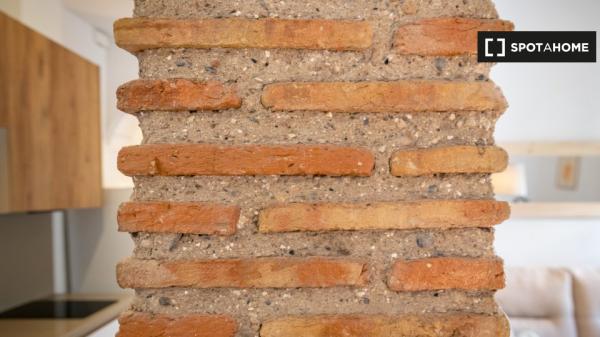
(50, 124)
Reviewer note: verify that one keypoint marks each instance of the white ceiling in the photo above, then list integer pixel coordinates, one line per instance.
(101, 13)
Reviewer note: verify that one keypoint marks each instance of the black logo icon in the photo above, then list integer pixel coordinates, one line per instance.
(536, 46)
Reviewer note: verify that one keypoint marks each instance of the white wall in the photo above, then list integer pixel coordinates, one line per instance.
(96, 246)
(11, 7)
(550, 102)
(549, 242)
(120, 129)
(50, 18)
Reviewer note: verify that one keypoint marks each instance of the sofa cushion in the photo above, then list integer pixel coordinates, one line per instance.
(539, 301)
(537, 327)
(586, 289)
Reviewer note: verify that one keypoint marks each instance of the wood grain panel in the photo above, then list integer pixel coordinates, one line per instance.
(50, 107)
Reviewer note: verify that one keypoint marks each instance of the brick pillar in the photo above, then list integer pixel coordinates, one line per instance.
(315, 168)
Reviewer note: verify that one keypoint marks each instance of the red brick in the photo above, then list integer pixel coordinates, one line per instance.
(137, 324)
(386, 97)
(452, 159)
(426, 325)
(139, 34)
(424, 214)
(178, 217)
(447, 273)
(276, 272)
(444, 36)
(216, 160)
(175, 95)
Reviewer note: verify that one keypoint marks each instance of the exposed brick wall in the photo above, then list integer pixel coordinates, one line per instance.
(312, 168)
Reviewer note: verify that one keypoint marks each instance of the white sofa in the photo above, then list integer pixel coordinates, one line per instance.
(552, 302)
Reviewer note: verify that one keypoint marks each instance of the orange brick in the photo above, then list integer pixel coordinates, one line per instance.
(175, 95)
(447, 273)
(387, 97)
(424, 214)
(137, 324)
(444, 36)
(178, 217)
(276, 272)
(452, 159)
(205, 159)
(139, 34)
(427, 325)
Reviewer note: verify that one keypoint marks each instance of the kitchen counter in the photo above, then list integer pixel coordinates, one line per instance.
(66, 327)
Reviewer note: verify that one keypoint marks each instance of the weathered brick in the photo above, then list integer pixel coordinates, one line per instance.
(383, 215)
(205, 159)
(139, 34)
(178, 217)
(452, 159)
(444, 36)
(137, 324)
(175, 95)
(388, 97)
(447, 273)
(428, 325)
(276, 272)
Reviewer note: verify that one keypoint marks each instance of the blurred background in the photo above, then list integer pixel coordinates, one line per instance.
(64, 241)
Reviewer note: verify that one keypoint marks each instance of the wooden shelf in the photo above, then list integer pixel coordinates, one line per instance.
(555, 210)
(563, 148)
